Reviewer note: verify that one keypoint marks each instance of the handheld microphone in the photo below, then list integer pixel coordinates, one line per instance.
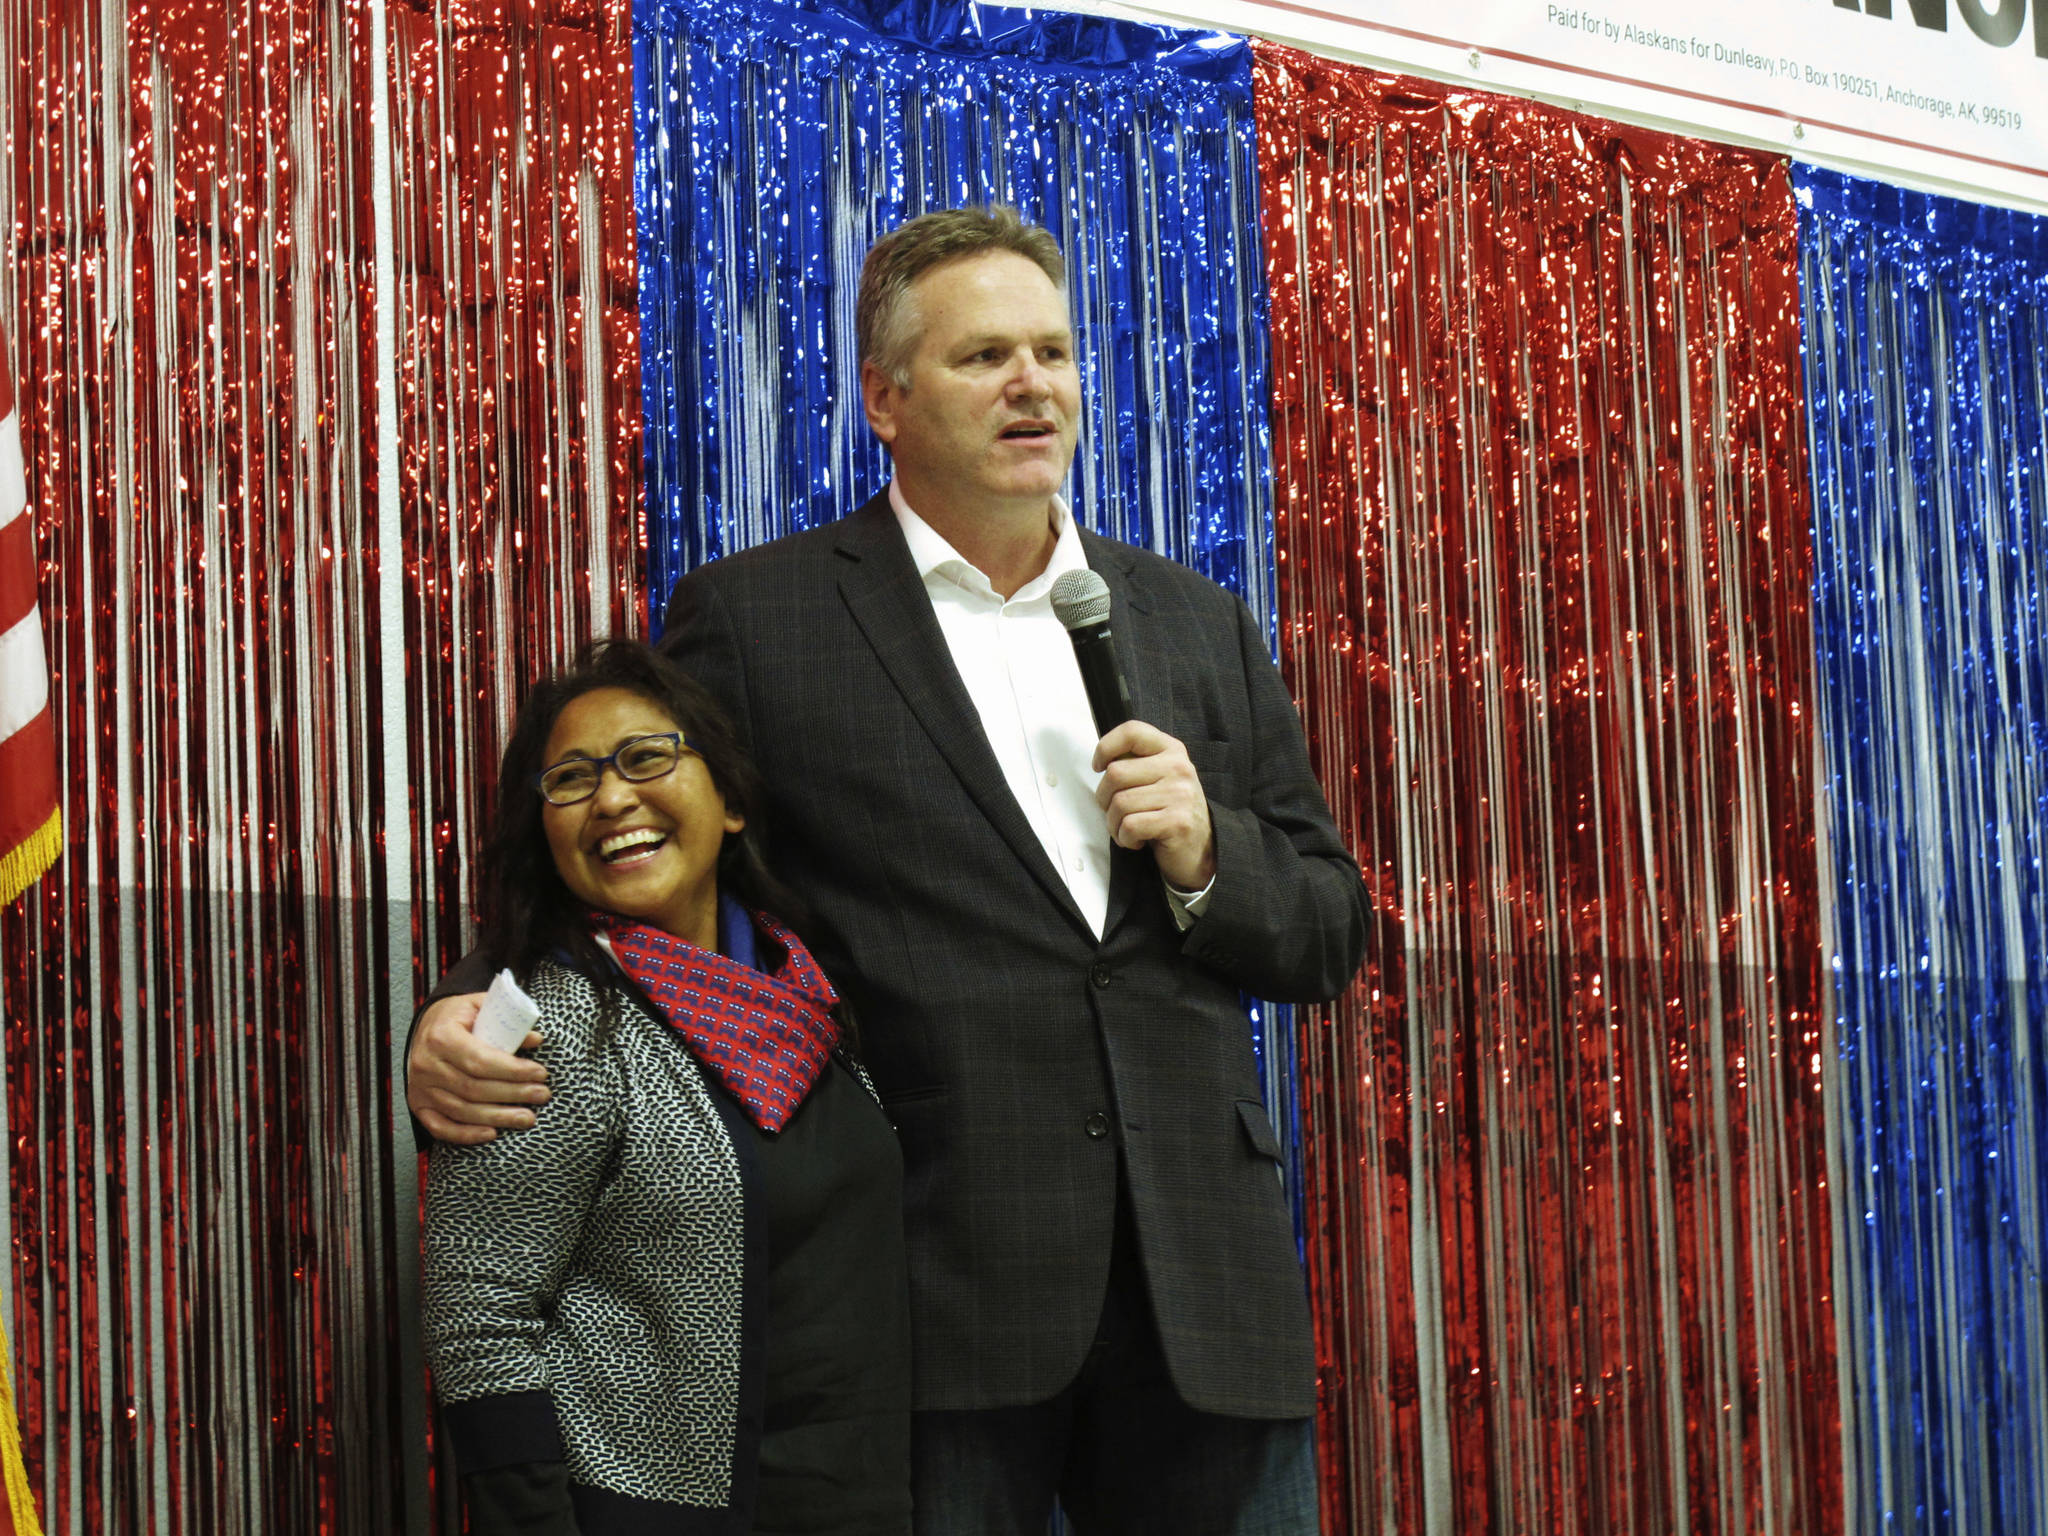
(1080, 601)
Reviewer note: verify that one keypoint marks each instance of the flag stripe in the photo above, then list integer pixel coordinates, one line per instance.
(13, 483)
(24, 688)
(28, 767)
(17, 583)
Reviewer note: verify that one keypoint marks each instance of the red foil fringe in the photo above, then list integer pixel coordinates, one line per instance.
(280, 704)
(518, 388)
(1543, 564)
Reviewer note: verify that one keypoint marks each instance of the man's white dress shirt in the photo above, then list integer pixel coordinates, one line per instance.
(1018, 664)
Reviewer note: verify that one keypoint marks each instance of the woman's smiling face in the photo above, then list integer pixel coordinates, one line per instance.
(646, 850)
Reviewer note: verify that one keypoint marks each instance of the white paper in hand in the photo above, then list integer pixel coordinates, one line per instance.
(507, 1014)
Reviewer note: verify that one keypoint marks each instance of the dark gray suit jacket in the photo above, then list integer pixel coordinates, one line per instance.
(1016, 1053)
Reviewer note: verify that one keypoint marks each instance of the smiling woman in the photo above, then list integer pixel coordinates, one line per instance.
(633, 818)
(682, 1291)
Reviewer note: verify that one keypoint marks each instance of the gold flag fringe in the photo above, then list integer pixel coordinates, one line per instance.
(20, 868)
(21, 1504)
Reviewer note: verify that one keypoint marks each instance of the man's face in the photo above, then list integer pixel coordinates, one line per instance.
(994, 399)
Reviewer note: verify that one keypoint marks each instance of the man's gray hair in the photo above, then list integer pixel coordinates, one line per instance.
(885, 322)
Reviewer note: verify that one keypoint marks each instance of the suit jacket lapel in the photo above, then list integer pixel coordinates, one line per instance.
(888, 601)
(1145, 668)
(1148, 675)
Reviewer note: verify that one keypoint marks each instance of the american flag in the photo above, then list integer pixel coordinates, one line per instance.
(31, 827)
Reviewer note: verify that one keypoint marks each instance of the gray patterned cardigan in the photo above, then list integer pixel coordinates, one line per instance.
(589, 1295)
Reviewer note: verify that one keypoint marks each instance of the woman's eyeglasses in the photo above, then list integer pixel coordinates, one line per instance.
(575, 779)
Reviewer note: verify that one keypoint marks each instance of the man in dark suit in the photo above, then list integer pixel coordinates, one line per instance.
(1044, 935)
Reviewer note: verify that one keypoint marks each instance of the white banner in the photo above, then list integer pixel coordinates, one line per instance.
(1952, 93)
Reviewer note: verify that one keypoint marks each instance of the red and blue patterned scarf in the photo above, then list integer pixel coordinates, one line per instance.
(766, 1036)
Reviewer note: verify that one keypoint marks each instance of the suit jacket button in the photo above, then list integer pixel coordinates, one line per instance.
(1101, 975)
(1098, 1125)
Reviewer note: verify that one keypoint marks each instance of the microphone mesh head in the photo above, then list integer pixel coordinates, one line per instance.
(1079, 599)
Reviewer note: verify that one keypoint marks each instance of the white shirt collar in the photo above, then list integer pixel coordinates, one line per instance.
(935, 557)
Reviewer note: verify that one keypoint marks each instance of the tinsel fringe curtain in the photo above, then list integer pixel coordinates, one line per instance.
(1541, 516)
(285, 628)
(778, 141)
(1927, 378)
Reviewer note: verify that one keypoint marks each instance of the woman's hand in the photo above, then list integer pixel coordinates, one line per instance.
(463, 1090)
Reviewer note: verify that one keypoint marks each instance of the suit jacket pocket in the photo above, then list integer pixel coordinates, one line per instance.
(1258, 1128)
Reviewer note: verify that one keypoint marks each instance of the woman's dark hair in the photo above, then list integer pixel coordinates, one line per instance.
(527, 913)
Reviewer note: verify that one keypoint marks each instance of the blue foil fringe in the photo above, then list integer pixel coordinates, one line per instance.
(776, 142)
(1926, 324)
